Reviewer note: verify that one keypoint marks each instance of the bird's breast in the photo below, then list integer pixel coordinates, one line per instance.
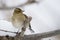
(18, 24)
(18, 20)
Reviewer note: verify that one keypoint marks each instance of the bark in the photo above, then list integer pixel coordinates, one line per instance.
(38, 36)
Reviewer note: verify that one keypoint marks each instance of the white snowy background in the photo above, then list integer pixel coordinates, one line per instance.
(45, 17)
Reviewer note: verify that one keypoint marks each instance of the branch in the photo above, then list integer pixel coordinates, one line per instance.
(42, 35)
(7, 31)
(28, 2)
(33, 36)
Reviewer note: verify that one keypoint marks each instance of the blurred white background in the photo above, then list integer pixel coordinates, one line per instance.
(45, 16)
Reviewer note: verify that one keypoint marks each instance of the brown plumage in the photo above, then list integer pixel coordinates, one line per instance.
(20, 20)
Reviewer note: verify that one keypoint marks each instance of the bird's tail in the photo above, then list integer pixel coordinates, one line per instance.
(30, 28)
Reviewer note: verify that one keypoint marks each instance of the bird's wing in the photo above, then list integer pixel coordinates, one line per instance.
(25, 15)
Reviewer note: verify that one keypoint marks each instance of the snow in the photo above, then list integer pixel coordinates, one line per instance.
(45, 17)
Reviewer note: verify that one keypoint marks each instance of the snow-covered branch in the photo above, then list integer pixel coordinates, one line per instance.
(33, 36)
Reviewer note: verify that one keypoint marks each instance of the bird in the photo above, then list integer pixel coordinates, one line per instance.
(21, 21)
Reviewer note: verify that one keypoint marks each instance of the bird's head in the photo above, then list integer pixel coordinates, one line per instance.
(18, 10)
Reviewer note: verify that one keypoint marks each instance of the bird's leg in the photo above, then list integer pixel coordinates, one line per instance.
(23, 30)
(18, 31)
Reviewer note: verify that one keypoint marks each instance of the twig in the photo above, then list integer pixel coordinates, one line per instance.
(7, 31)
(28, 2)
